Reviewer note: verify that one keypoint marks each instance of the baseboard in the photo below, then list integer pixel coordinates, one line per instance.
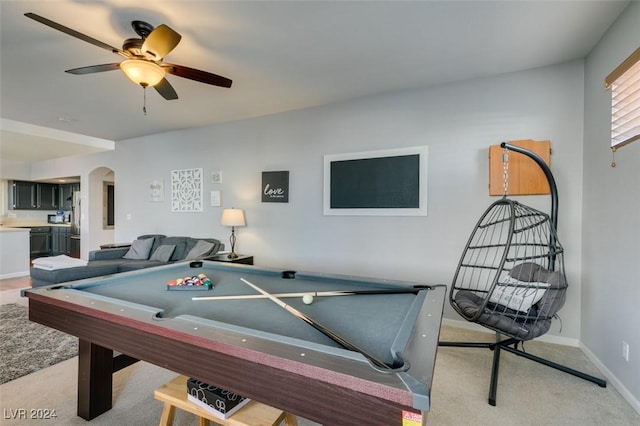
(613, 380)
(14, 275)
(558, 340)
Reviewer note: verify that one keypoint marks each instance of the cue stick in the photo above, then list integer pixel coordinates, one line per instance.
(333, 336)
(413, 290)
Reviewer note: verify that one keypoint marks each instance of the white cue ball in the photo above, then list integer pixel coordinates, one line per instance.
(307, 299)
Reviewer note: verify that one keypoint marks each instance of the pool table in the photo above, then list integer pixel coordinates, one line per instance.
(253, 346)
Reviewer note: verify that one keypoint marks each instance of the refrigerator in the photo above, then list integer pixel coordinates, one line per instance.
(75, 224)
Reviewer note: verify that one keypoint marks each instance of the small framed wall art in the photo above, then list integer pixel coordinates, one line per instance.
(156, 190)
(186, 190)
(275, 187)
(216, 177)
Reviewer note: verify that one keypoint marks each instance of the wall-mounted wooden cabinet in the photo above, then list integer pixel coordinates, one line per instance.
(524, 176)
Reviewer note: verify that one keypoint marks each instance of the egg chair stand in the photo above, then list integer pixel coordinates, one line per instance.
(511, 279)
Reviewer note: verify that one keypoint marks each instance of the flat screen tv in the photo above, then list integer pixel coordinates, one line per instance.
(388, 182)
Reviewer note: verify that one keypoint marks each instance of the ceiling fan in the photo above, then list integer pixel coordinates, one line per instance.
(143, 57)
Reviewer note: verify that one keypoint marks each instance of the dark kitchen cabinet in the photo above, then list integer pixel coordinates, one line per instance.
(40, 241)
(66, 195)
(60, 240)
(34, 196)
(24, 195)
(47, 196)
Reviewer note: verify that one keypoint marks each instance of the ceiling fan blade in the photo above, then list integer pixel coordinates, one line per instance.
(160, 42)
(93, 68)
(197, 75)
(74, 33)
(166, 90)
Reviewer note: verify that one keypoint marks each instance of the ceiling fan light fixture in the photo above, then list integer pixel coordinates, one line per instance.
(143, 56)
(142, 72)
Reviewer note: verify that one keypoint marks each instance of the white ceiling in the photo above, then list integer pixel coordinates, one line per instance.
(281, 56)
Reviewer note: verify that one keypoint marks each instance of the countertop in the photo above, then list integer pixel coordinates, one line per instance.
(8, 229)
(23, 224)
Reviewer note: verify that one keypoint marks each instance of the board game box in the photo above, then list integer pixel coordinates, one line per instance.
(220, 402)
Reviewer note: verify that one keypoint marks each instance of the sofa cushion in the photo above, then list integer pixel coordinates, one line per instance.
(201, 249)
(163, 253)
(108, 254)
(134, 265)
(41, 277)
(181, 247)
(139, 249)
(157, 240)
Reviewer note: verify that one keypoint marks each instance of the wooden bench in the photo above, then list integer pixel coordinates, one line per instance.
(174, 395)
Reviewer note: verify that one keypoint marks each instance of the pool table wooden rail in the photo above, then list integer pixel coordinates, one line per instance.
(328, 386)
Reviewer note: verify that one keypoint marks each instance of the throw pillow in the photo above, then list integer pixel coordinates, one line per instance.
(181, 247)
(529, 271)
(202, 248)
(518, 295)
(163, 253)
(139, 249)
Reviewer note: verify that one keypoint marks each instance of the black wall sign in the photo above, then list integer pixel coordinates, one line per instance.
(275, 187)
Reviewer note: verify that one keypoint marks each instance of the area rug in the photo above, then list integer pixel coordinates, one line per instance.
(26, 346)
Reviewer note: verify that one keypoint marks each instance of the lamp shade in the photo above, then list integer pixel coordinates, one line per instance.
(232, 217)
(144, 73)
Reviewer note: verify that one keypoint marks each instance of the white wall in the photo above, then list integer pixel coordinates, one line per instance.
(14, 253)
(95, 218)
(611, 211)
(14, 170)
(458, 122)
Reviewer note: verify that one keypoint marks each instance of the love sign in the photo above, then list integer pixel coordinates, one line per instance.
(275, 187)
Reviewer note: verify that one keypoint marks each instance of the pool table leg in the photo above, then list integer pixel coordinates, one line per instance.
(95, 379)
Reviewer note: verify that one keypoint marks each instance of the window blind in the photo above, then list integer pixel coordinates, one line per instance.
(624, 83)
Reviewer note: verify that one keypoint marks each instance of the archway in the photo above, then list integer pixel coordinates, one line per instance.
(100, 226)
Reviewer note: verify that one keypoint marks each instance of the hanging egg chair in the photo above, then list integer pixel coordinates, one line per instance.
(511, 278)
(511, 274)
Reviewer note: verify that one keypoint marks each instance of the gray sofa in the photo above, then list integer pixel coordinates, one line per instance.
(145, 252)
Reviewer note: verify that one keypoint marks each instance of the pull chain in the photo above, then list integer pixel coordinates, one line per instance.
(505, 171)
(144, 104)
(613, 157)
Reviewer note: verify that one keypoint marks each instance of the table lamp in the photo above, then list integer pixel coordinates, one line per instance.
(232, 218)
